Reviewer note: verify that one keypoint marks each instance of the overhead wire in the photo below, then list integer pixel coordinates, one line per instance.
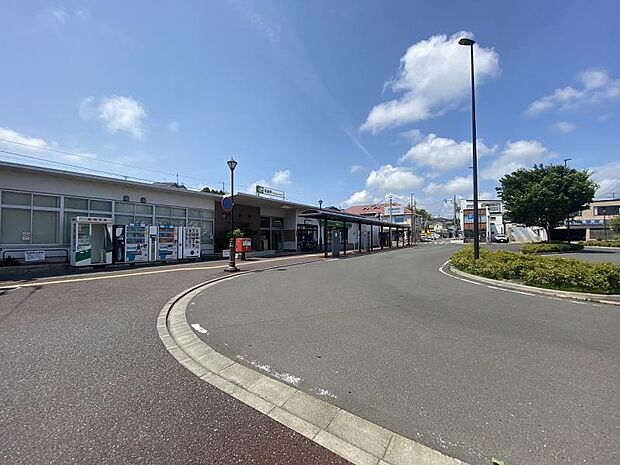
(102, 160)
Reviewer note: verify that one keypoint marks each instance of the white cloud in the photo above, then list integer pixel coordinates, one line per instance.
(434, 77)
(281, 178)
(118, 114)
(443, 154)
(596, 87)
(173, 126)
(18, 138)
(607, 176)
(393, 178)
(519, 154)
(356, 169)
(59, 15)
(460, 185)
(564, 126)
(360, 197)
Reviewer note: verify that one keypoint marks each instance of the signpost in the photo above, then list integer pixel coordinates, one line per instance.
(262, 190)
(227, 204)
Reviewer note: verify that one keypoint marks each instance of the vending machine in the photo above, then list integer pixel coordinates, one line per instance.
(91, 241)
(136, 243)
(118, 243)
(189, 242)
(153, 236)
(167, 243)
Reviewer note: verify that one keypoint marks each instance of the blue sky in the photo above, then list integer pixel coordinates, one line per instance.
(346, 101)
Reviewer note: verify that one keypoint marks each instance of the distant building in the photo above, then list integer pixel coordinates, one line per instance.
(591, 223)
(490, 218)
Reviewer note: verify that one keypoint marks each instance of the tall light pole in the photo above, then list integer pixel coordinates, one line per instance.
(320, 208)
(470, 43)
(232, 164)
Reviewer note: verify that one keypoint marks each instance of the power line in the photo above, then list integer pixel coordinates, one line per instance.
(126, 165)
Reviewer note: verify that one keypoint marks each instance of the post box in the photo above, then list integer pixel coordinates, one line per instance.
(243, 244)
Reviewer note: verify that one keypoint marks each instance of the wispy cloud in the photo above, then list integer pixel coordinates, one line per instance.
(595, 87)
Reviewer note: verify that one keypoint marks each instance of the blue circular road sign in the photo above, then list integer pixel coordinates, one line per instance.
(227, 204)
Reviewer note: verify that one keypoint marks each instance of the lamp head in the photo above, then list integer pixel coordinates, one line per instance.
(466, 41)
(320, 203)
(232, 164)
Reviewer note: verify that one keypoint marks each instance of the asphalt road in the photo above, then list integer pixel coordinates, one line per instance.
(469, 370)
(85, 379)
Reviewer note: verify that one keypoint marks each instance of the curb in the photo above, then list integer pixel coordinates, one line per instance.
(355, 439)
(537, 290)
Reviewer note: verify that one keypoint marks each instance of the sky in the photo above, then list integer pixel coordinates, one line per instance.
(346, 101)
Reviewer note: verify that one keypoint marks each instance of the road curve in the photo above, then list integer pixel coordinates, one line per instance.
(469, 370)
(86, 379)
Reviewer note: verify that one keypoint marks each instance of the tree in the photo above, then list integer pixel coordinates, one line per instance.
(614, 224)
(545, 195)
(426, 216)
(213, 191)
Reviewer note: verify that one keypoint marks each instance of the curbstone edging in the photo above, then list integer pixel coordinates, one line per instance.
(597, 298)
(355, 439)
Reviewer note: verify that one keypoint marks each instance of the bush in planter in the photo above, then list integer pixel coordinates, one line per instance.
(550, 247)
(553, 273)
(603, 243)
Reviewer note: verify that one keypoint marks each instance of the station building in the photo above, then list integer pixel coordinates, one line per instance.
(37, 205)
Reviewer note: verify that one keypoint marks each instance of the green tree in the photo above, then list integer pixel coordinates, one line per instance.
(426, 216)
(614, 224)
(545, 195)
(213, 191)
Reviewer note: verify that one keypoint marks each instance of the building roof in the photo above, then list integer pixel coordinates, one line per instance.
(370, 209)
(162, 187)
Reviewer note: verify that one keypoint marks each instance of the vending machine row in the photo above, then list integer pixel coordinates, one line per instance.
(98, 241)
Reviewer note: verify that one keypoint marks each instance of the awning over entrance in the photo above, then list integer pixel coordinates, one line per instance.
(334, 215)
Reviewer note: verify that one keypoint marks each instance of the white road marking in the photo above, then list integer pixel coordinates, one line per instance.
(140, 273)
(325, 393)
(579, 302)
(199, 328)
(456, 277)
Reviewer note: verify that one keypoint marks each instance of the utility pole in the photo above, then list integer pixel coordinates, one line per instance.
(454, 215)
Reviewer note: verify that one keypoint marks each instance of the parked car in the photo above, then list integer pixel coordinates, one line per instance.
(503, 238)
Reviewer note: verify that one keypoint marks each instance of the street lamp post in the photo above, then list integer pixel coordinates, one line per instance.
(320, 208)
(232, 164)
(470, 43)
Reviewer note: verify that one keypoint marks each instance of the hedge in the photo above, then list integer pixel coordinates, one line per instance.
(602, 243)
(550, 247)
(546, 272)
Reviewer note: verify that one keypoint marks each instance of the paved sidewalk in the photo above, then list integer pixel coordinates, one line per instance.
(86, 379)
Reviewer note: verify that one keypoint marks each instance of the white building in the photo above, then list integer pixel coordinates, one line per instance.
(37, 205)
(492, 219)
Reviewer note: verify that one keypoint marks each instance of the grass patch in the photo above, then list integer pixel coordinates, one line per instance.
(546, 272)
(551, 247)
(603, 243)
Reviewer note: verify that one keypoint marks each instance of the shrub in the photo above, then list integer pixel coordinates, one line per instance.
(550, 247)
(552, 273)
(602, 243)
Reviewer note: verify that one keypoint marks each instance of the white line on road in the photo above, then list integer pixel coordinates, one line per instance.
(199, 328)
(510, 290)
(456, 277)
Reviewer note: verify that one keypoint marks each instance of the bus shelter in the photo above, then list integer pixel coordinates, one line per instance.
(331, 218)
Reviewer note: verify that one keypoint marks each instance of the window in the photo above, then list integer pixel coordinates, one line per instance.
(162, 211)
(177, 212)
(45, 227)
(16, 198)
(46, 201)
(14, 223)
(101, 205)
(122, 207)
(144, 209)
(264, 222)
(76, 204)
(609, 210)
